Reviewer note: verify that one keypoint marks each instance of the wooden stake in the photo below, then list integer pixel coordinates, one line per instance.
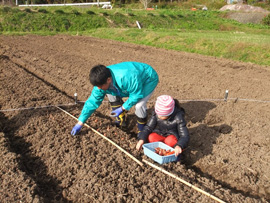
(183, 181)
(128, 154)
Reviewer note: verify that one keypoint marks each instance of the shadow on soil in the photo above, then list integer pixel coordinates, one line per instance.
(47, 187)
(202, 136)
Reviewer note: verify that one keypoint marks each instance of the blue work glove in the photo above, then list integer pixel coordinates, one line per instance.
(117, 112)
(76, 129)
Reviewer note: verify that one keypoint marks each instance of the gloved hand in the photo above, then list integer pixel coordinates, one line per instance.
(76, 129)
(117, 112)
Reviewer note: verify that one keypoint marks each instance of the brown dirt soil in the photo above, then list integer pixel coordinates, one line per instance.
(228, 156)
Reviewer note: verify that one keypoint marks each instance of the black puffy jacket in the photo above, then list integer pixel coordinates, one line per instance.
(174, 125)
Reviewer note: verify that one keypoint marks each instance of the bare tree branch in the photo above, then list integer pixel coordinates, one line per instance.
(145, 3)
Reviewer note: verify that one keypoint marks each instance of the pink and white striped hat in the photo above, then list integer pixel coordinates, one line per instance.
(164, 105)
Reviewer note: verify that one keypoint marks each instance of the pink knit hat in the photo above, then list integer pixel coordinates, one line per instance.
(164, 105)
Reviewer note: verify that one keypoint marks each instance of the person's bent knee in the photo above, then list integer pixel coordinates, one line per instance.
(171, 140)
(140, 110)
(154, 137)
(140, 105)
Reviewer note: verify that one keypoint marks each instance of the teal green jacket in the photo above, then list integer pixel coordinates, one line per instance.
(131, 79)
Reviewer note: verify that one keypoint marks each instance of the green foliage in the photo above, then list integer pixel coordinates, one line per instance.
(165, 5)
(42, 10)
(162, 15)
(12, 19)
(203, 32)
(104, 14)
(211, 5)
(172, 16)
(45, 21)
(264, 5)
(127, 10)
(74, 11)
(119, 19)
(118, 14)
(266, 20)
(180, 16)
(241, 46)
(59, 11)
(28, 10)
(6, 9)
(130, 14)
(90, 12)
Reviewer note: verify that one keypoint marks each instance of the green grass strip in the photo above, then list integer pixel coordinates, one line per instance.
(209, 33)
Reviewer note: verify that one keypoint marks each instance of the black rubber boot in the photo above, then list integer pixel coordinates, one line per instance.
(141, 122)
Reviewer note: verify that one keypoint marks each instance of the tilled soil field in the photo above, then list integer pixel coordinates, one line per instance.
(228, 155)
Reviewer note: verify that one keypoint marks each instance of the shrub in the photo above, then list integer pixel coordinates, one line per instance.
(59, 11)
(42, 10)
(118, 14)
(74, 11)
(162, 15)
(90, 12)
(65, 24)
(180, 16)
(28, 10)
(172, 16)
(104, 14)
(266, 20)
(119, 19)
(6, 9)
(131, 14)
(165, 5)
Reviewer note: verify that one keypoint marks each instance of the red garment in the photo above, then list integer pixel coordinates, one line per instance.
(170, 140)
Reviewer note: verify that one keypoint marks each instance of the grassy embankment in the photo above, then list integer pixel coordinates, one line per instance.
(203, 32)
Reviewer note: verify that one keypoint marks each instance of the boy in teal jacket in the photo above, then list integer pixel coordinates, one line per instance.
(134, 80)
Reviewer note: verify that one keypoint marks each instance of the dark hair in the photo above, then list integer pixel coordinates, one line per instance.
(99, 74)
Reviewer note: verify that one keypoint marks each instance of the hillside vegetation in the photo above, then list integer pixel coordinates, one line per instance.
(204, 32)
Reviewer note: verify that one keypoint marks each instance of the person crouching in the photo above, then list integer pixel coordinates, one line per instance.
(167, 124)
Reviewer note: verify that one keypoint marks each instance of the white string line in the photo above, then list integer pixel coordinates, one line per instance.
(252, 100)
(236, 99)
(183, 100)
